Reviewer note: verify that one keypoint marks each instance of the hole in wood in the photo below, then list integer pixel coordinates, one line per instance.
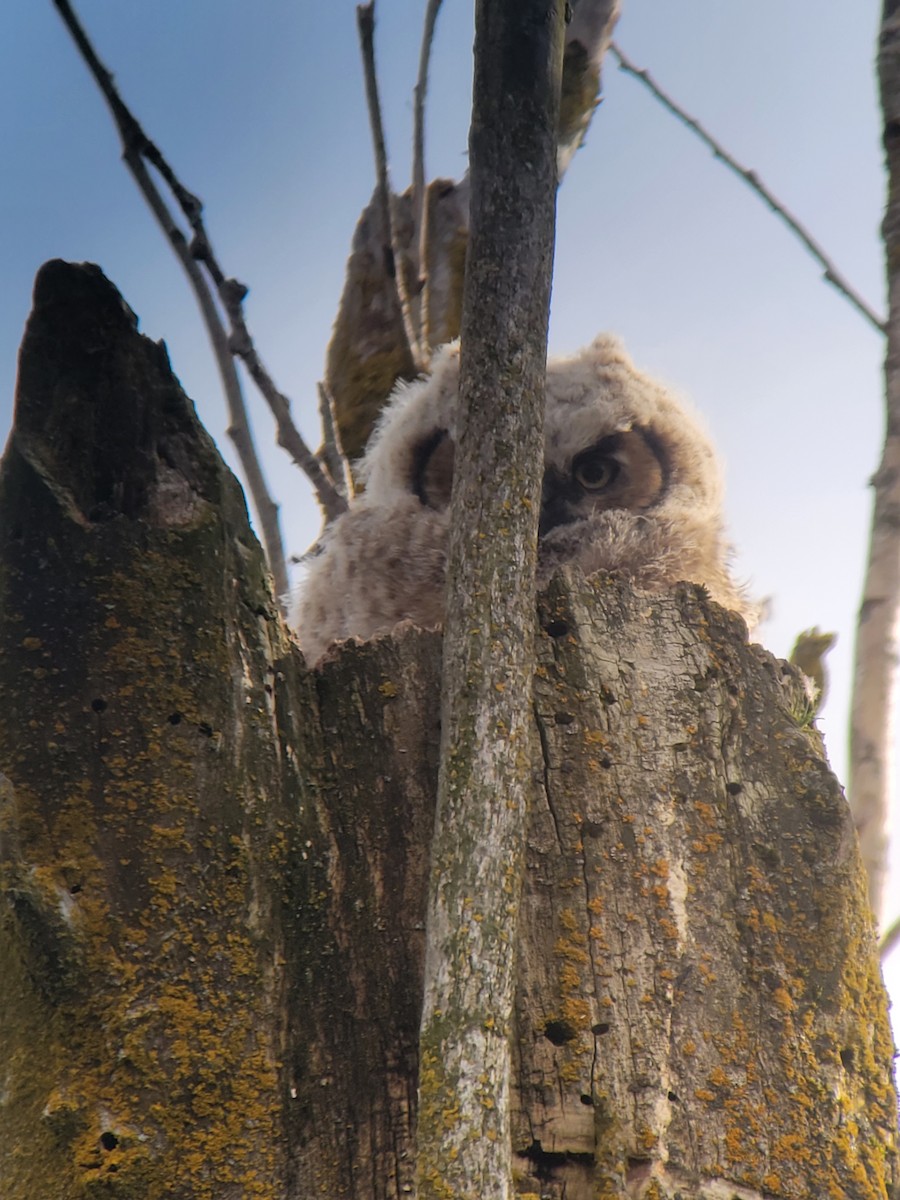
(559, 1032)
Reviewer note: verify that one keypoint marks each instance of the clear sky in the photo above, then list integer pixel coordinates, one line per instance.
(260, 108)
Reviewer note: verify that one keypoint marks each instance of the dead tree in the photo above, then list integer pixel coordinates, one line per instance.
(214, 860)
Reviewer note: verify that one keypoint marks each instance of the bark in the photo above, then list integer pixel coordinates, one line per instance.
(367, 352)
(699, 1010)
(876, 650)
(145, 793)
(215, 862)
(479, 840)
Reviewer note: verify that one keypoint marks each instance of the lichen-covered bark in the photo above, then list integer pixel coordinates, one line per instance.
(369, 745)
(699, 1010)
(144, 795)
(214, 861)
(488, 663)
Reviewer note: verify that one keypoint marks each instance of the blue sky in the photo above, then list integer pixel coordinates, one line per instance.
(260, 108)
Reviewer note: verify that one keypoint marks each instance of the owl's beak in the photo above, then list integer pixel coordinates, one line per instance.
(555, 509)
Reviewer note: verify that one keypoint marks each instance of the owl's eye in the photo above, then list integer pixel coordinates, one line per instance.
(595, 470)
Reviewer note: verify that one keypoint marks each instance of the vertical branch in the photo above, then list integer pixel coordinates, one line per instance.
(478, 848)
(366, 353)
(420, 210)
(331, 454)
(365, 20)
(876, 649)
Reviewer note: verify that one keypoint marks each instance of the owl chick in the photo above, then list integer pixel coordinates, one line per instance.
(631, 484)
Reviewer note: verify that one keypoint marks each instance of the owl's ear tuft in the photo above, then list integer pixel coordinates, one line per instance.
(608, 350)
(432, 476)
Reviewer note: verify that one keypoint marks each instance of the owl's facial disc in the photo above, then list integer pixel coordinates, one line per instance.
(622, 471)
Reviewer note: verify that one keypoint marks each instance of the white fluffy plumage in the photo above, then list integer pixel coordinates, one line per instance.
(631, 485)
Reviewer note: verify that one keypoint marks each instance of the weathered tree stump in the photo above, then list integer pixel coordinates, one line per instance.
(215, 861)
(148, 801)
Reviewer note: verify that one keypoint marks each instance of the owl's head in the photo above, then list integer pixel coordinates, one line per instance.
(615, 439)
(631, 485)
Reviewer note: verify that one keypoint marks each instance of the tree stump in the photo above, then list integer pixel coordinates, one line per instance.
(214, 860)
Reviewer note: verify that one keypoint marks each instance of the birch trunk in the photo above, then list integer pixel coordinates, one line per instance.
(215, 861)
(876, 645)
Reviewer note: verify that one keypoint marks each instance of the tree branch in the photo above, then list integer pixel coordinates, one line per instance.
(830, 271)
(875, 653)
(889, 939)
(365, 21)
(420, 209)
(331, 454)
(289, 438)
(365, 356)
(477, 859)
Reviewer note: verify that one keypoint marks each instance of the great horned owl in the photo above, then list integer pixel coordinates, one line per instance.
(631, 484)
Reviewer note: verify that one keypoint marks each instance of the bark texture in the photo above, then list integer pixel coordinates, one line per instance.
(488, 662)
(876, 645)
(699, 1010)
(214, 862)
(145, 796)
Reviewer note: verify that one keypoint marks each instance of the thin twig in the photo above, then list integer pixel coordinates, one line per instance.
(420, 210)
(830, 271)
(137, 148)
(239, 426)
(889, 939)
(289, 437)
(331, 453)
(365, 21)
(135, 144)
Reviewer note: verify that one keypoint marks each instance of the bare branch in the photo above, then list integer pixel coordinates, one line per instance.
(889, 940)
(420, 208)
(289, 437)
(830, 271)
(331, 453)
(875, 653)
(137, 148)
(365, 21)
(134, 144)
(239, 427)
(367, 354)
